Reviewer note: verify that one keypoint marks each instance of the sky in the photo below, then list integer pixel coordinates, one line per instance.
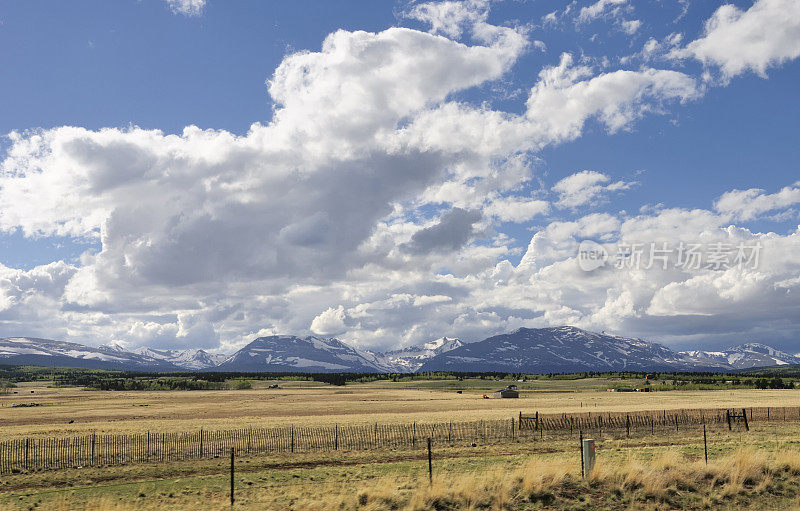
(196, 173)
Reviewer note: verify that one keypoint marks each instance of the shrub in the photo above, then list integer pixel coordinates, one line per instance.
(6, 386)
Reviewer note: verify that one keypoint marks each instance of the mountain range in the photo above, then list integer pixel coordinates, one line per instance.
(194, 360)
(570, 349)
(45, 352)
(191, 359)
(746, 356)
(526, 350)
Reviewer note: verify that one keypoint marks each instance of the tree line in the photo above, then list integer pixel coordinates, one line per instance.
(211, 380)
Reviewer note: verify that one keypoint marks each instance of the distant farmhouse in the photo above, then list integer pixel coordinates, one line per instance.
(508, 392)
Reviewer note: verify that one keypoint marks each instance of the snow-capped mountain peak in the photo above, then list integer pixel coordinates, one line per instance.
(411, 358)
(114, 346)
(311, 354)
(442, 344)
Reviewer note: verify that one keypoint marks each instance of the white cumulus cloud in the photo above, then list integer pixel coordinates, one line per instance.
(586, 187)
(187, 7)
(735, 40)
(329, 322)
(750, 204)
(598, 9)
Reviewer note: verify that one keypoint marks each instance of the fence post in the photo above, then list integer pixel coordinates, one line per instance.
(450, 432)
(705, 443)
(336, 437)
(728, 417)
(292, 433)
(628, 425)
(232, 499)
(414, 434)
(27, 446)
(430, 463)
(744, 414)
(583, 474)
(201, 443)
(93, 434)
(587, 454)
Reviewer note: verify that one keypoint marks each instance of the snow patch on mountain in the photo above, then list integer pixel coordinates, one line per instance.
(190, 359)
(114, 346)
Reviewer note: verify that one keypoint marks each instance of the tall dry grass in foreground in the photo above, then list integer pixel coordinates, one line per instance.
(748, 478)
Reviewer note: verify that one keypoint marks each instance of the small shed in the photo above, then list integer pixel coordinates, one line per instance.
(508, 392)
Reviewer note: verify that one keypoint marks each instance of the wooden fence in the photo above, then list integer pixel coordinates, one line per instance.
(95, 449)
(655, 419)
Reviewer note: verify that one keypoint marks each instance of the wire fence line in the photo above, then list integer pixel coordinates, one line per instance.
(639, 420)
(97, 449)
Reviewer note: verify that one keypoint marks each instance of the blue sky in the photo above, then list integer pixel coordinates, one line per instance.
(701, 123)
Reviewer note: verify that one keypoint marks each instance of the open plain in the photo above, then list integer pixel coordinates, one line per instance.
(664, 470)
(313, 403)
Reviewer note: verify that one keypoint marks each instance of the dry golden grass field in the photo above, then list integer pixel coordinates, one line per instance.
(759, 469)
(311, 403)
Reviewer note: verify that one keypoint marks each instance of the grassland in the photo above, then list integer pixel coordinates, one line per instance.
(312, 403)
(755, 470)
